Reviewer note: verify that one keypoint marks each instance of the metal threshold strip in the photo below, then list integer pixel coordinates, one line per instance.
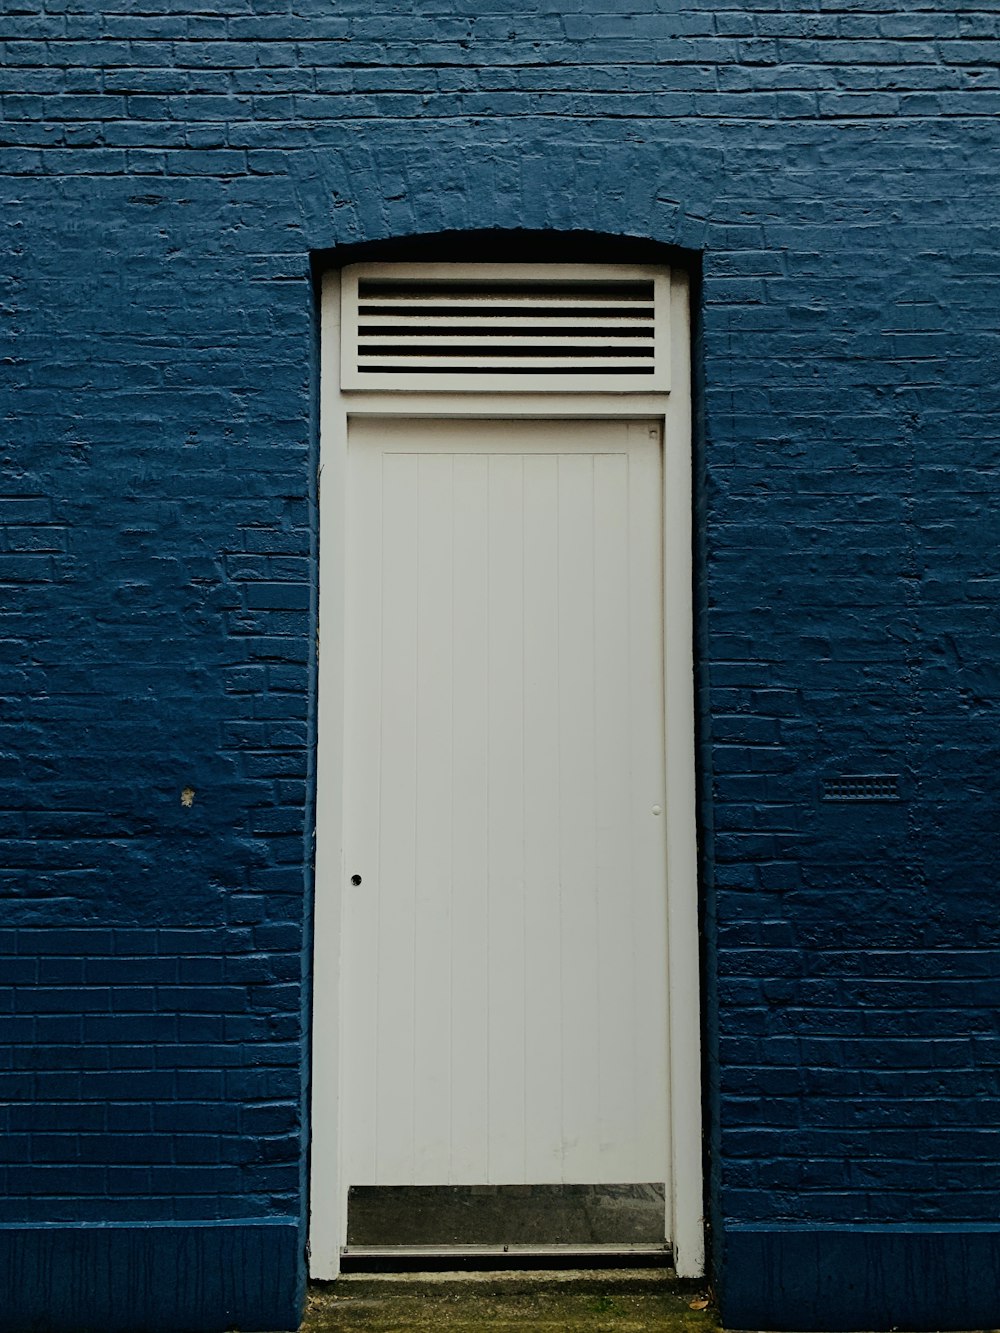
(402, 1258)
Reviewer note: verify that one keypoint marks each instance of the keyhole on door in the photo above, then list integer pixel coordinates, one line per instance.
(355, 879)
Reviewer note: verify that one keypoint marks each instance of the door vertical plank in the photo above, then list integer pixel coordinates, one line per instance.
(396, 888)
(618, 1020)
(433, 941)
(469, 908)
(648, 832)
(577, 886)
(543, 1053)
(505, 706)
(362, 807)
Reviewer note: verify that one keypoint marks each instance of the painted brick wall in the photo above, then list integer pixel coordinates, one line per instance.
(169, 167)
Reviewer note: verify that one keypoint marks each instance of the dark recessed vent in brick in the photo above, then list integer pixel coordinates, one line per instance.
(862, 787)
(527, 329)
(498, 326)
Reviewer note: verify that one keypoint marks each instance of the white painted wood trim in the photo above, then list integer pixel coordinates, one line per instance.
(685, 1223)
(325, 1223)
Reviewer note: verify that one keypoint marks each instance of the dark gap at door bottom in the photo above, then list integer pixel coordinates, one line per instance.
(498, 1216)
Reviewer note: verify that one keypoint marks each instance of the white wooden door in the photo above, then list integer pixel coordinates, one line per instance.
(504, 998)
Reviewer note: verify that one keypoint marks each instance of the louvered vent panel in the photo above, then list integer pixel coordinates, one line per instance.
(407, 330)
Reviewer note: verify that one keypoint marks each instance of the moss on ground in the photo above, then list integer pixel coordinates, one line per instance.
(616, 1301)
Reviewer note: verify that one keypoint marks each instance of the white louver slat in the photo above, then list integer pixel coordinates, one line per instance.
(575, 328)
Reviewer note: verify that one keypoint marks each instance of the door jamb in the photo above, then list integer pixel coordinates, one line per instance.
(685, 1221)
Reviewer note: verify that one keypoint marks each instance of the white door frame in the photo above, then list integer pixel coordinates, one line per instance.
(685, 1223)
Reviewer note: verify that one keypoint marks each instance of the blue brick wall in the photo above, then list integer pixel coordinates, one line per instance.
(170, 168)
(151, 1075)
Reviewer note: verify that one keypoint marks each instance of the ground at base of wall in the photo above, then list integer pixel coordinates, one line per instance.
(618, 1300)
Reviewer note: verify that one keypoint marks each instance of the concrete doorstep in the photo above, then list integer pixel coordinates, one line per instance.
(623, 1300)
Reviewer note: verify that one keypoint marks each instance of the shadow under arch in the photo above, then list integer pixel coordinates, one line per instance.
(507, 247)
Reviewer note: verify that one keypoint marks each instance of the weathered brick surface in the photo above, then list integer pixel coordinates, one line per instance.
(170, 164)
